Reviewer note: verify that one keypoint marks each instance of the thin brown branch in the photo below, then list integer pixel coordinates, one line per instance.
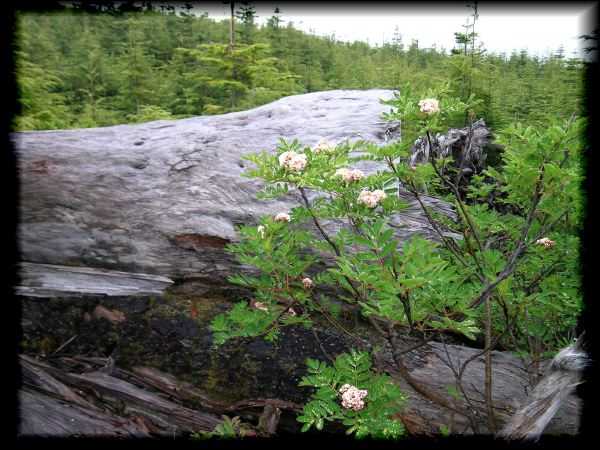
(329, 318)
(458, 198)
(489, 405)
(418, 387)
(448, 242)
(64, 345)
(317, 224)
(256, 402)
(544, 273)
(458, 379)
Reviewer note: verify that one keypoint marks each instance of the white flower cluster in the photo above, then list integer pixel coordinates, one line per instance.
(546, 242)
(429, 106)
(261, 230)
(371, 199)
(289, 313)
(352, 397)
(349, 175)
(292, 160)
(324, 146)
(307, 282)
(261, 306)
(282, 217)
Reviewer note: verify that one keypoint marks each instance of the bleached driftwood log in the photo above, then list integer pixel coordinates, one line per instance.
(562, 376)
(164, 197)
(43, 280)
(470, 147)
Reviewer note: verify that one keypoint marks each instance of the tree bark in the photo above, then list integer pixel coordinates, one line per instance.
(562, 376)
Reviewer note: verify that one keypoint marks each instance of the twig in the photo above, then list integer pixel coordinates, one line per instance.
(448, 242)
(545, 272)
(458, 378)
(488, 365)
(64, 345)
(458, 198)
(255, 402)
(420, 388)
(329, 318)
(328, 239)
(316, 222)
(321, 345)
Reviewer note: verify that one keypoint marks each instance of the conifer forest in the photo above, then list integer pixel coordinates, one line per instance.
(81, 68)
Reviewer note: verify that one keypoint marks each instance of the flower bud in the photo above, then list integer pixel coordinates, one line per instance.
(307, 282)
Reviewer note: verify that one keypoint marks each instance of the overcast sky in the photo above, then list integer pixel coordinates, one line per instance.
(540, 28)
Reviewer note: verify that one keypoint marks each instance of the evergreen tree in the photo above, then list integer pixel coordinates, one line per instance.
(247, 70)
(41, 106)
(274, 34)
(246, 15)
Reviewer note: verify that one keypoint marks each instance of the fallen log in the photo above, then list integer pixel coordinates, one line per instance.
(161, 347)
(562, 376)
(164, 198)
(42, 416)
(48, 407)
(42, 280)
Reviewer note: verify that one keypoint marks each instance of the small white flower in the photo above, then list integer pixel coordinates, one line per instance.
(298, 162)
(344, 388)
(261, 230)
(292, 160)
(345, 173)
(371, 199)
(290, 312)
(349, 175)
(352, 397)
(367, 198)
(282, 217)
(324, 146)
(379, 195)
(194, 189)
(429, 106)
(307, 282)
(546, 242)
(357, 175)
(261, 306)
(285, 158)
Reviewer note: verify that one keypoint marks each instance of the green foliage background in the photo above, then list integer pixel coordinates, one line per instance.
(78, 68)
